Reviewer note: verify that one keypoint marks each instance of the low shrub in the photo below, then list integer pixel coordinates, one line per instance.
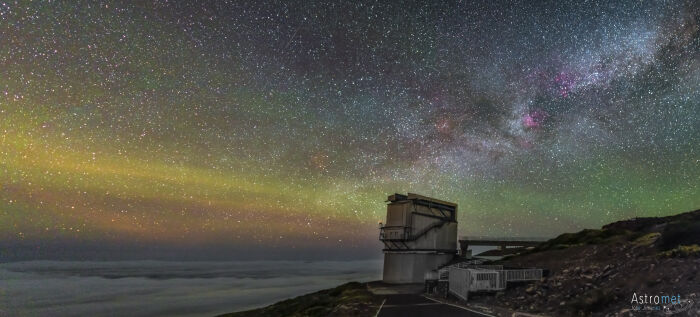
(682, 251)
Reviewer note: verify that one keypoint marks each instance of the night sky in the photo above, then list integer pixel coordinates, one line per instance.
(277, 129)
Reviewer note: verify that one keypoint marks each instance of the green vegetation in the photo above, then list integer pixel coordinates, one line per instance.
(647, 239)
(682, 251)
(588, 237)
(351, 299)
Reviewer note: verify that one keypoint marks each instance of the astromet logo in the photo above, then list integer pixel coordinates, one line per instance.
(656, 299)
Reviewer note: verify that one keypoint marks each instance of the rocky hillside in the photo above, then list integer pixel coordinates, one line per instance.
(597, 272)
(351, 299)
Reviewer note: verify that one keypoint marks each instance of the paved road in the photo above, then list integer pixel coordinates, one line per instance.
(416, 305)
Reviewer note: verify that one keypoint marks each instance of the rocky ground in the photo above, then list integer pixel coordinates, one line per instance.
(596, 272)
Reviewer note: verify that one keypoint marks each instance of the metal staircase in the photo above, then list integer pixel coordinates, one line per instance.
(399, 243)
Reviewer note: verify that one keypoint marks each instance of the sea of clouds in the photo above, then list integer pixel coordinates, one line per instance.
(163, 288)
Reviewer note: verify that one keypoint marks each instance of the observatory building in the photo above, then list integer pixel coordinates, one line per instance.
(420, 235)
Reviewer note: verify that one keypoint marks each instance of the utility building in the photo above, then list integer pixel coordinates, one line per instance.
(420, 235)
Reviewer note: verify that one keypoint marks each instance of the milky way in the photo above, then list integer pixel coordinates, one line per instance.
(284, 125)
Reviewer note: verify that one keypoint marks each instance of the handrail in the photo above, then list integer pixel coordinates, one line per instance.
(503, 239)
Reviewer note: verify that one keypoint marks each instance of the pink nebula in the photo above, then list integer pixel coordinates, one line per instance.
(534, 118)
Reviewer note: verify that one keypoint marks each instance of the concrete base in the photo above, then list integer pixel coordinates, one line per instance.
(400, 268)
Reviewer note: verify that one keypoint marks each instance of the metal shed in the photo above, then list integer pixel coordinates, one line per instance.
(483, 278)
